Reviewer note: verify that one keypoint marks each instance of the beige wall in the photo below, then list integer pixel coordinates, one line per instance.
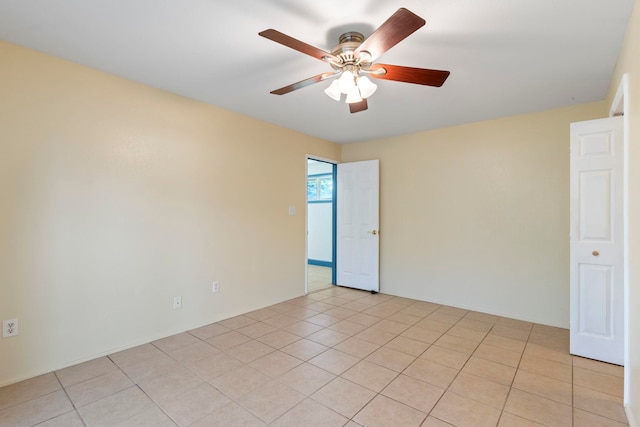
(116, 197)
(477, 216)
(629, 63)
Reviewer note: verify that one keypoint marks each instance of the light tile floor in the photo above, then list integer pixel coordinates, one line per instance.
(318, 277)
(336, 357)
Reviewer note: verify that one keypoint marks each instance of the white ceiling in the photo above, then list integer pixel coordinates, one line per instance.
(506, 57)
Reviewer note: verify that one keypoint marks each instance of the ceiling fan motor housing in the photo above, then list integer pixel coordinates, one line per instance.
(348, 43)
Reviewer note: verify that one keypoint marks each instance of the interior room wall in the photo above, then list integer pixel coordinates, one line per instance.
(117, 197)
(320, 240)
(477, 216)
(629, 63)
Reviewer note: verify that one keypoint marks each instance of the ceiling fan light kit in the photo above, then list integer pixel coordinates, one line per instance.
(333, 91)
(354, 86)
(354, 56)
(353, 96)
(347, 81)
(366, 87)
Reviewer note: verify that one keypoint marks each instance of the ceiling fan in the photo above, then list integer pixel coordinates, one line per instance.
(353, 58)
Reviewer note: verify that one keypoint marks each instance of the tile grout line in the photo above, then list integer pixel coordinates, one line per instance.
(73, 405)
(502, 411)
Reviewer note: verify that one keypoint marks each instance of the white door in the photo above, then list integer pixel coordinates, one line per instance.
(357, 243)
(596, 272)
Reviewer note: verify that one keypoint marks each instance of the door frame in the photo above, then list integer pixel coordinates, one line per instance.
(620, 107)
(308, 157)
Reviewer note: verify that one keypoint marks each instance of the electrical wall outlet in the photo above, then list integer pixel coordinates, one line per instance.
(215, 287)
(177, 303)
(9, 328)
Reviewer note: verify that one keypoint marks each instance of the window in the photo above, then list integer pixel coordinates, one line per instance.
(312, 189)
(320, 187)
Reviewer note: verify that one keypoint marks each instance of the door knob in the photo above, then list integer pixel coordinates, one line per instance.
(595, 253)
(374, 232)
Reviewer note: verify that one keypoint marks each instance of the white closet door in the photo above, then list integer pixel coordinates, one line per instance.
(596, 272)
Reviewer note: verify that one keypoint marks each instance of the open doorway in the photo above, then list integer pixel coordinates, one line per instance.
(321, 212)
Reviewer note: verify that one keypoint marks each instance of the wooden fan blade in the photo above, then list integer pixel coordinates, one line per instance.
(356, 107)
(304, 83)
(419, 76)
(296, 44)
(399, 26)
